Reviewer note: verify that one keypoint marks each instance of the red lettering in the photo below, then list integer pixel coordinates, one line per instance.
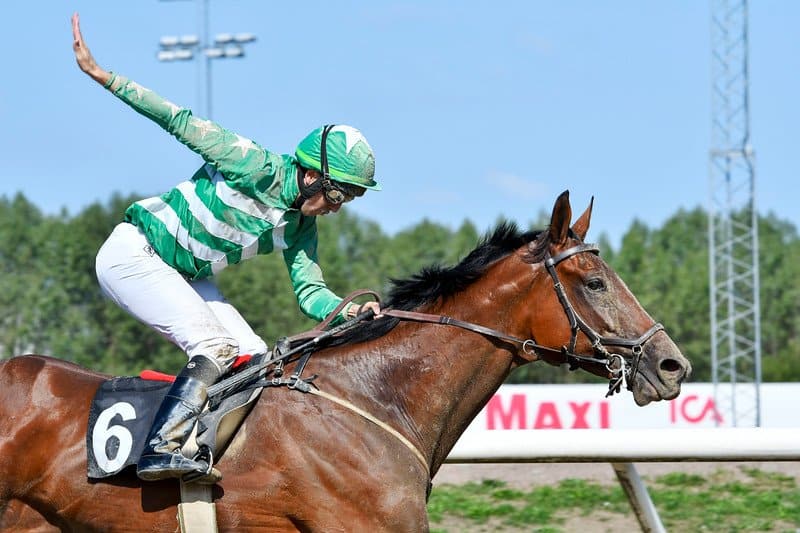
(547, 417)
(717, 416)
(510, 412)
(605, 416)
(579, 410)
(513, 418)
(684, 413)
(708, 409)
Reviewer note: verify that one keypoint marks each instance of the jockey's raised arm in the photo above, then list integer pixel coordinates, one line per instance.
(159, 263)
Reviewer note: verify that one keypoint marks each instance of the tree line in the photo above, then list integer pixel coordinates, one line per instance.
(50, 302)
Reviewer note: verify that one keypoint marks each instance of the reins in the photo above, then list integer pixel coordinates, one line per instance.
(450, 321)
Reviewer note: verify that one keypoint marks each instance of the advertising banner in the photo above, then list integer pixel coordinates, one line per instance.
(536, 407)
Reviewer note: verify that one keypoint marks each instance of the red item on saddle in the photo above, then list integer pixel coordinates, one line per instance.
(152, 375)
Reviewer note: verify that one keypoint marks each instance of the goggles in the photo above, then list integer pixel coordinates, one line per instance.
(336, 192)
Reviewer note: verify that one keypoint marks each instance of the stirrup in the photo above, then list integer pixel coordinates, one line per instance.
(157, 466)
(211, 476)
(208, 475)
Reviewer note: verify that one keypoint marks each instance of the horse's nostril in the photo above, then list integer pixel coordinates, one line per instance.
(670, 365)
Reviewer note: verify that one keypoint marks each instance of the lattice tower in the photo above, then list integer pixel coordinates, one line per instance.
(733, 224)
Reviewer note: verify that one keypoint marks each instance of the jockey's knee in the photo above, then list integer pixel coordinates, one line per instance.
(223, 351)
(253, 345)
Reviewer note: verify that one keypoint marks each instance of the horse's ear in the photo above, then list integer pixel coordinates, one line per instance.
(581, 226)
(559, 221)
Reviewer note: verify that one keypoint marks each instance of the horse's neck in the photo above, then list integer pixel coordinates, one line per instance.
(439, 377)
(428, 381)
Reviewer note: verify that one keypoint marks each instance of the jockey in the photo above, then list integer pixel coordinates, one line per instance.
(158, 263)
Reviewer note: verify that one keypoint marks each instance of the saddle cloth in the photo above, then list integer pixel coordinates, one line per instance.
(123, 410)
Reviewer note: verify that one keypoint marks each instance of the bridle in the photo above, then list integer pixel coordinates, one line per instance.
(622, 368)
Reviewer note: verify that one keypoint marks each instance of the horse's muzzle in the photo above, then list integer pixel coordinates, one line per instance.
(662, 370)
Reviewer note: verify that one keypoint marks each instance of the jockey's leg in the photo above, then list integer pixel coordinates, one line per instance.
(249, 342)
(141, 283)
(161, 457)
(136, 278)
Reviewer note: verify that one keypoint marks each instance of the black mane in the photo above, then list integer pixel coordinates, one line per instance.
(436, 282)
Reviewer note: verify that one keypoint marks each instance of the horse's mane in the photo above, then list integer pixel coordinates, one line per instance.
(436, 282)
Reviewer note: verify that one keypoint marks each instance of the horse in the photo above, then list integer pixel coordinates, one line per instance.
(301, 462)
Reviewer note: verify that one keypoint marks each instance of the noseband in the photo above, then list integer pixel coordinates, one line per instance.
(623, 368)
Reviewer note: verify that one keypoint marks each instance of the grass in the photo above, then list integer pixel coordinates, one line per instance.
(722, 502)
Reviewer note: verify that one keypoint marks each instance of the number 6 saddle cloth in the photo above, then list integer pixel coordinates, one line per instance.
(123, 410)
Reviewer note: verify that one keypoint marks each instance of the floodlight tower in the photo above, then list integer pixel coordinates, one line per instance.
(188, 47)
(733, 224)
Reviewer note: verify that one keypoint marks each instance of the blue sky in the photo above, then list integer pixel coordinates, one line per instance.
(474, 110)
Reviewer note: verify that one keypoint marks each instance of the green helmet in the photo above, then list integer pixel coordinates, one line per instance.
(349, 155)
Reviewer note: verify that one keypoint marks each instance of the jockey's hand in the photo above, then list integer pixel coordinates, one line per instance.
(355, 310)
(84, 57)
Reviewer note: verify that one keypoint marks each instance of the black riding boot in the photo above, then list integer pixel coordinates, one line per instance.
(161, 457)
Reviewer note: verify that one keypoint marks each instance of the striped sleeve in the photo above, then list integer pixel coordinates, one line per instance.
(230, 153)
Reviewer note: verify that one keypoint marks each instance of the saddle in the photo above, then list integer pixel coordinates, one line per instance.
(123, 408)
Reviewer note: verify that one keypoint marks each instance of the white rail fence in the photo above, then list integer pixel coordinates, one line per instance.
(621, 448)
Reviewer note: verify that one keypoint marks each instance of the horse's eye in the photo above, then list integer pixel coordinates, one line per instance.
(596, 284)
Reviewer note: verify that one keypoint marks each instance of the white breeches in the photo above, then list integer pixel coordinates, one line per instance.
(192, 314)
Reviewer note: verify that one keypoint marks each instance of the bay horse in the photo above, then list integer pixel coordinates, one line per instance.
(303, 463)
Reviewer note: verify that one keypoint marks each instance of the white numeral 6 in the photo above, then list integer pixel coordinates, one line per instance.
(102, 432)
